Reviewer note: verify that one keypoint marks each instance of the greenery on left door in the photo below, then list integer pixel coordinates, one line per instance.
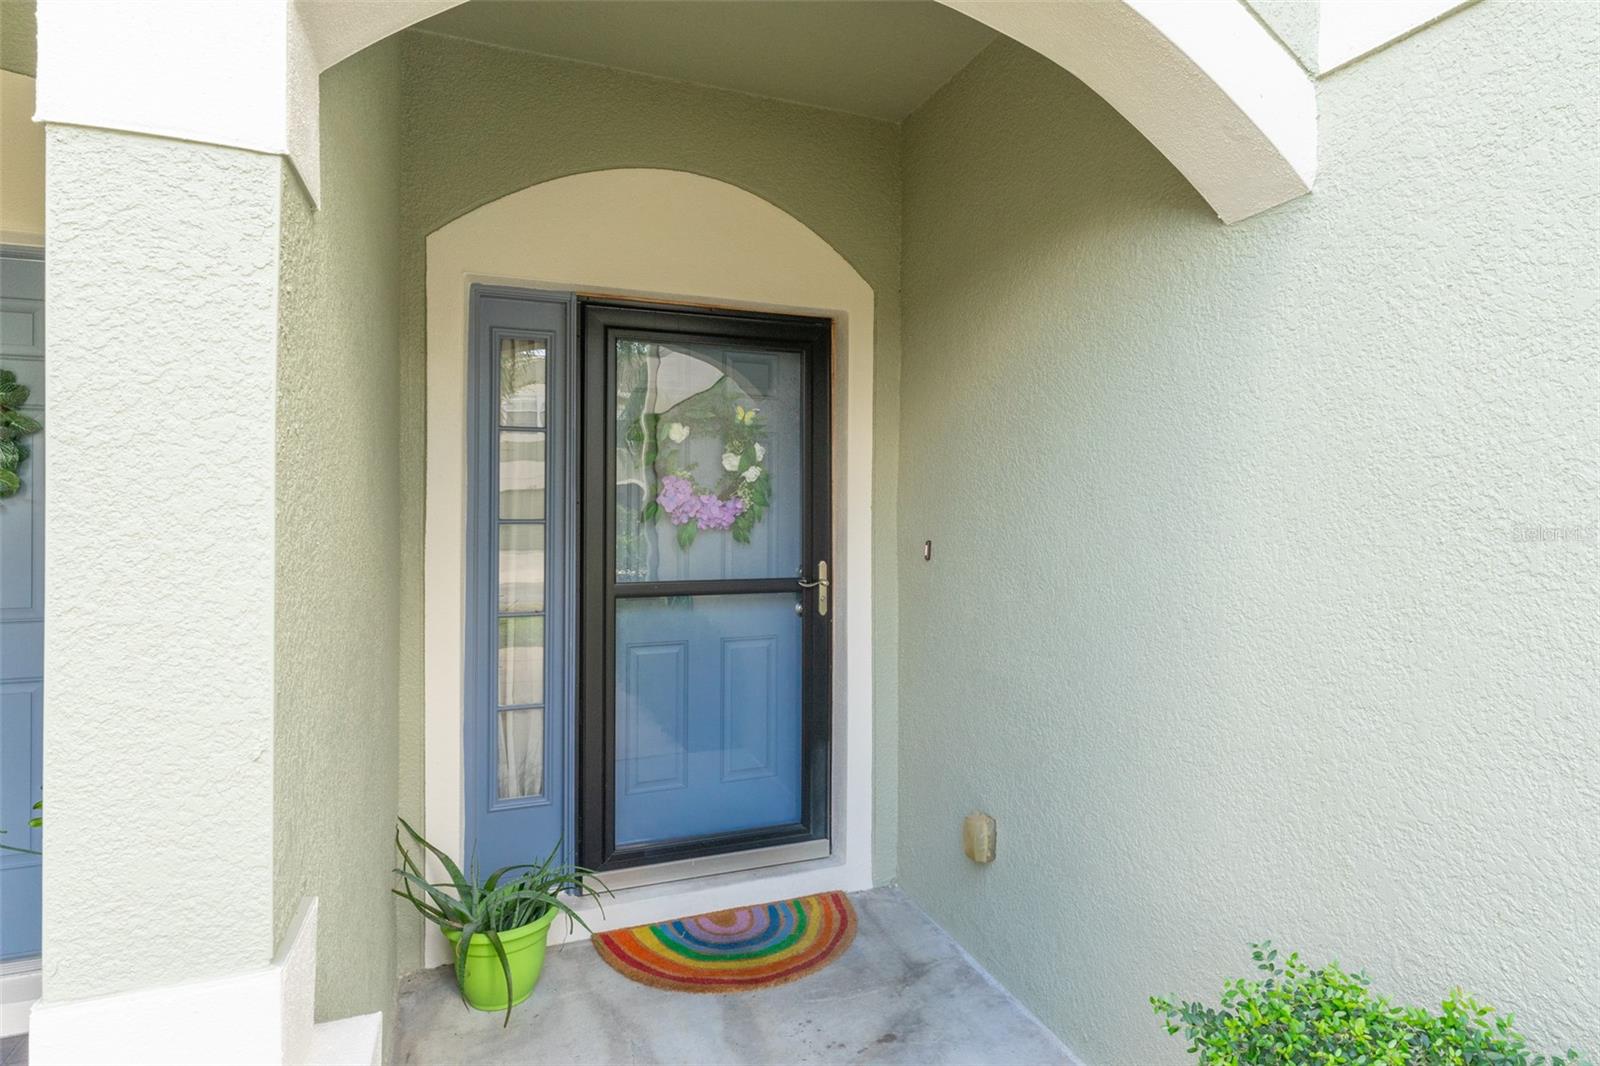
(36, 822)
(14, 425)
(498, 925)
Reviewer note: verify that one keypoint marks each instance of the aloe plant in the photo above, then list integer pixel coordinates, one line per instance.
(509, 898)
(14, 425)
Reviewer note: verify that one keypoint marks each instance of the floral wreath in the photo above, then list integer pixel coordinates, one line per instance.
(742, 492)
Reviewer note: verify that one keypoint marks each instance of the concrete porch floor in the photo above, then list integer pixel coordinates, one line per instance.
(903, 993)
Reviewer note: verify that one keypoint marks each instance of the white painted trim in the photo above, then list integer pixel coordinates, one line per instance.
(338, 29)
(666, 235)
(1202, 79)
(20, 985)
(1205, 83)
(1348, 30)
(356, 1041)
(263, 1016)
(192, 70)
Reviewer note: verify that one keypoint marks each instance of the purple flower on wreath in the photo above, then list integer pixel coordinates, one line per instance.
(716, 513)
(677, 499)
(682, 505)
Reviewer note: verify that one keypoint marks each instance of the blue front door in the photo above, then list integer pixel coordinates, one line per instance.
(22, 615)
(686, 597)
(706, 524)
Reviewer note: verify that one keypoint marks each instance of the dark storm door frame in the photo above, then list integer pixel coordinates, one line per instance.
(601, 323)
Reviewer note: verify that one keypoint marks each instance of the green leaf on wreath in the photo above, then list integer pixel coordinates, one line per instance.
(21, 422)
(686, 534)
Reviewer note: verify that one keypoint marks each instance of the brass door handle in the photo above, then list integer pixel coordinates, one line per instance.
(821, 585)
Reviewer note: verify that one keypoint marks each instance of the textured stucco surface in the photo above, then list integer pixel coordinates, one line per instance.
(338, 539)
(1293, 22)
(158, 646)
(479, 123)
(1232, 621)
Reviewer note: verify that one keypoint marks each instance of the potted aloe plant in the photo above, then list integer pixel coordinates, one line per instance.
(498, 925)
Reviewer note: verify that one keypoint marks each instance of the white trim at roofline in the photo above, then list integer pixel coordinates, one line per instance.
(1208, 85)
(1348, 30)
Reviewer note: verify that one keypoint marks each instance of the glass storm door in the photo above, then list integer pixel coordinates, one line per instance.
(705, 672)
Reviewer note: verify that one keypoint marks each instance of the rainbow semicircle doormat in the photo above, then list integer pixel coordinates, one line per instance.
(732, 951)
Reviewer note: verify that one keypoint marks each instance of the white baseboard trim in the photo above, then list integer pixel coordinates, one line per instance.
(262, 1017)
(19, 988)
(354, 1041)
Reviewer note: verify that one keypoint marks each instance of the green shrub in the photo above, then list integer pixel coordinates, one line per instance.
(1297, 1015)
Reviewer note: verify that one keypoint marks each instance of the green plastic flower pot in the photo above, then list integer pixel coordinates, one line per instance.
(484, 982)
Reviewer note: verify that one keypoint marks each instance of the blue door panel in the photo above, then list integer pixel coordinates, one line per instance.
(21, 738)
(708, 715)
(22, 315)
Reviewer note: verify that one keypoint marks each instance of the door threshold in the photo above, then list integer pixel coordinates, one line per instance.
(711, 865)
(642, 904)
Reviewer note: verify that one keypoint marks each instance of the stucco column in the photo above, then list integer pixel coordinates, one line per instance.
(162, 275)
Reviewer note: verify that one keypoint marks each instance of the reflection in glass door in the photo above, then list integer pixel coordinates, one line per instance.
(705, 636)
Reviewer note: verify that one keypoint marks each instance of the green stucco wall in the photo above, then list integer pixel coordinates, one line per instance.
(482, 122)
(1295, 23)
(19, 32)
(337, 623)
(1235, 620)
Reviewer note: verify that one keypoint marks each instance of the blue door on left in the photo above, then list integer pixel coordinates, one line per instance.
(22, 615)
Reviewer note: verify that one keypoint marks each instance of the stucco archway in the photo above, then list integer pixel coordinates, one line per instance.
(1201, 79)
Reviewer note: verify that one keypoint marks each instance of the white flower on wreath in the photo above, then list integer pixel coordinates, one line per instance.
(677, 432)
(730, 462)
(761, 452)
(751, 474)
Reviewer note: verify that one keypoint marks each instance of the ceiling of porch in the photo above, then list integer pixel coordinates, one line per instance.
(879, 58)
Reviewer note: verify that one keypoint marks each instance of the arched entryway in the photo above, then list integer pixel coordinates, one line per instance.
(680, 239)
(1206, 83)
